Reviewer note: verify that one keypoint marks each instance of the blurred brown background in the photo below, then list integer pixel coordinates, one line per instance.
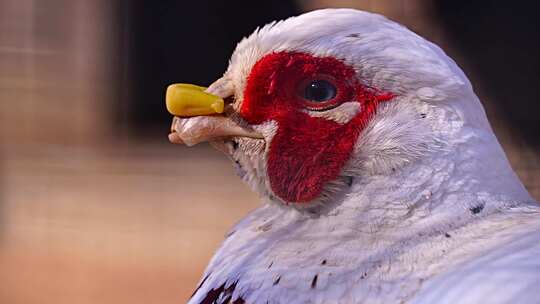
(97, 207)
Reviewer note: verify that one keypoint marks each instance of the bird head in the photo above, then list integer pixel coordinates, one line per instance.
(311, 103)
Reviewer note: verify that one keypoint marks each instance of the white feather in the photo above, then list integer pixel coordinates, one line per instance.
(435, 213)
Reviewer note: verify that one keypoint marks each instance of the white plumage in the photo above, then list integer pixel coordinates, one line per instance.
(435, 214)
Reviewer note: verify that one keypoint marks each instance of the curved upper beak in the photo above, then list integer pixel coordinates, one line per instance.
(189, 100)
(199, 115)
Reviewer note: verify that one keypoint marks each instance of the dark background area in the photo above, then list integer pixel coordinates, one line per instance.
(184, 41)
(500, 43)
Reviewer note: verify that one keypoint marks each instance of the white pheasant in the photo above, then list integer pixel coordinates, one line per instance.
(381, 179)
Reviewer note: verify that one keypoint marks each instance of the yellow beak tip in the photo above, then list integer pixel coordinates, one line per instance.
(188, 100)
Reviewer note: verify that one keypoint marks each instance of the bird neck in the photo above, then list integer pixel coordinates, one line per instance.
(468, 178)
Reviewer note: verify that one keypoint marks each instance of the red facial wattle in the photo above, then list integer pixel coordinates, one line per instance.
(306, 152)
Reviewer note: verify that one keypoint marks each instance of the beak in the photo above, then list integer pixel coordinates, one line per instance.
(188, 100)
(199, 115)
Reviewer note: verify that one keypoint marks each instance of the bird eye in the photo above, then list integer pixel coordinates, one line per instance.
(319, 91)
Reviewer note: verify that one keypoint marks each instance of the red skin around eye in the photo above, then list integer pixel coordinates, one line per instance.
(306, 152)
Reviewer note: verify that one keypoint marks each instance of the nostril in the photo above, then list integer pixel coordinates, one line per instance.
(229, 100)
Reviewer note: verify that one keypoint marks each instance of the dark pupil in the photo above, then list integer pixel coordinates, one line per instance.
(319, 91)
